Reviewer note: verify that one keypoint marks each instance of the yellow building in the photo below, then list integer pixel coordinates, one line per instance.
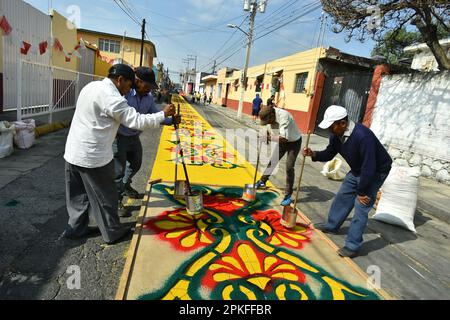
(118, 48)
(66, 33)
(291, 79)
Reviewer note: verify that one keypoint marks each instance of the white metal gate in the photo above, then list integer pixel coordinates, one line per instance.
(44, 90)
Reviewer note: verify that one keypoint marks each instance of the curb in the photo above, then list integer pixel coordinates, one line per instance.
(49, 128)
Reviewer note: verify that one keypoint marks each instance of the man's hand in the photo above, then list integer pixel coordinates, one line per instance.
(307, 152)
(283, 140)
(364, 200)
(169, 110)
(176, 119)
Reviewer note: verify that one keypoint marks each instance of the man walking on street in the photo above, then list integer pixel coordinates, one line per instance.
(289, 142)
(127, 146)
(370, 165)
(257, 102)
(89, 172)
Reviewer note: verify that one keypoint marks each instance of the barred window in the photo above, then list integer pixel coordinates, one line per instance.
(300, 82)
(109, 45)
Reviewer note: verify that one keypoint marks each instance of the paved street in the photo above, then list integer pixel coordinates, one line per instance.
(34, 260)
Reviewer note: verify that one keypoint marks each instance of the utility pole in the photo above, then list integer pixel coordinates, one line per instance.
(123, 46)
(214, 67)
(252, 6)
(142, 42)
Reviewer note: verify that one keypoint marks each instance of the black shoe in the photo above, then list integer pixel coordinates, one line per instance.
(347, 253)
(90, 231)
(126, 233)
(123, 211)
(322, 228)
(130, 192)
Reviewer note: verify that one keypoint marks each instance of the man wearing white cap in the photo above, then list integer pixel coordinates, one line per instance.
(370, 165)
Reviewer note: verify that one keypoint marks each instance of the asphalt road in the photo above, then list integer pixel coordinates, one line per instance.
(34, 261)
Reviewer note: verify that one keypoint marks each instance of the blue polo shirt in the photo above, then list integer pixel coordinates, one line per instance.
(143, 105)
(363, 152)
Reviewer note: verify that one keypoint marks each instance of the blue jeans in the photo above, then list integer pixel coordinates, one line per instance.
(343, 203)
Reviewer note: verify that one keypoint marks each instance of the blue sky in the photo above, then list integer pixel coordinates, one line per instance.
(198, 27)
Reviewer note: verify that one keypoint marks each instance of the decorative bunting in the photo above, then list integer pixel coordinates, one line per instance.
(43, 47)
(5, 26)
(58, 45)
(25, 48)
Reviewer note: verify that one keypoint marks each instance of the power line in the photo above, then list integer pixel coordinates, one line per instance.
(119, 4)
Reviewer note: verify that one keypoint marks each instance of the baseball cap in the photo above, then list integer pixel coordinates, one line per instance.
(266, 114)
(332, 114)
(123, 70)
(147, 75)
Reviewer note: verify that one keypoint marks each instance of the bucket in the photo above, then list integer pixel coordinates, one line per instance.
(289, 217)
(194, 203)
(180, 189)
(249, 194)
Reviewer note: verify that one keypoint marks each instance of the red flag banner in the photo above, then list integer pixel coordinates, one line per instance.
(43, 47)
(5, 26)
(58, 45)
(25, 48)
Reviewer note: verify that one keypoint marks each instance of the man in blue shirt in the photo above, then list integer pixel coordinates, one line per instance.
(370, 165)
(127, 146)
(257, 102)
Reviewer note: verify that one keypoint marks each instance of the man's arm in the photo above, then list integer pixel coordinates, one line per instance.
(322, 156)
(119, 110)
(153, 109)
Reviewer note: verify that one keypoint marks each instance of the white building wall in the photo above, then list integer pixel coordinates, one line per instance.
(412, 117)
(30, 25)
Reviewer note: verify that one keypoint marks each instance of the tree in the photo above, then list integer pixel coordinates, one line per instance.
(391, 47)
(364, 18)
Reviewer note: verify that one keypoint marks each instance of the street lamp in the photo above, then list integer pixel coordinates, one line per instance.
(252, 6)
(233, 26)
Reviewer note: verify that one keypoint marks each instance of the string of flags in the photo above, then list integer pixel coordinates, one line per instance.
(42, 48)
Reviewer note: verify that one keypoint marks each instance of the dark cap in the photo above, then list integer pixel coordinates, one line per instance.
(266, 115)
(123, 70)
(147, 75)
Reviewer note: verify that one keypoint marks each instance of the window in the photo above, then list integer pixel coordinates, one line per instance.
(109, 45)
(258, 83)
(300, 82)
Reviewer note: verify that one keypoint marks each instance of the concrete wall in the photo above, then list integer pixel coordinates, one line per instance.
(411, 117)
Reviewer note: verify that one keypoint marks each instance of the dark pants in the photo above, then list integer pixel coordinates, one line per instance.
(92, 191)
(292, 149)
(126, 149)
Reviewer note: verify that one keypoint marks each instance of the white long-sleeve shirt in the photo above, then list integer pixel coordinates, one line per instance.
(286, 125)
(99, 112)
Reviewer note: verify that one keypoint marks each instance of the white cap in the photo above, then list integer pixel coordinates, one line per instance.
(332, 114)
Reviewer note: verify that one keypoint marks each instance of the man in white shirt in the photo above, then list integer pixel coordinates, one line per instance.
(90, 184)
(290, 143)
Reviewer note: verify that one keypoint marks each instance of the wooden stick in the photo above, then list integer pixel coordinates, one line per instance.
(182, 157)
(257, 161)
(301, 174)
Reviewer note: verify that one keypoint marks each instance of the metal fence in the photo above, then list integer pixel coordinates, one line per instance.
(44, 90)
